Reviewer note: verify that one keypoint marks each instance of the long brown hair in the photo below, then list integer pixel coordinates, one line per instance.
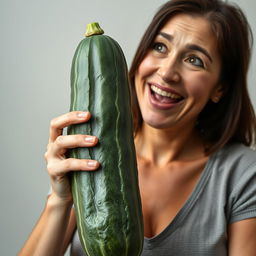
(232, 119)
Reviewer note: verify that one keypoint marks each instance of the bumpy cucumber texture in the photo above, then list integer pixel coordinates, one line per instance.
(107, 201)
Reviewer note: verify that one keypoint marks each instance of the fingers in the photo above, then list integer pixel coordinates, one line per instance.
(62, 143)
(57, 164)
(60, 168)
(59, 123)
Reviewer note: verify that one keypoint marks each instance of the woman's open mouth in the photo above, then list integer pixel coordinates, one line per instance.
(163, 98)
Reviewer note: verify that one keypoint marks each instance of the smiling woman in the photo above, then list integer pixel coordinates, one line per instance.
(192, 118)
(184, 62)
(193, 124)
(226, 24)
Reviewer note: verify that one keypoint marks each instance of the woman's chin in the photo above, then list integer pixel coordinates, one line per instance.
(157, 123)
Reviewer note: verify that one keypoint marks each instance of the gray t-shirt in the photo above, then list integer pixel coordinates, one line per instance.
(225, 193)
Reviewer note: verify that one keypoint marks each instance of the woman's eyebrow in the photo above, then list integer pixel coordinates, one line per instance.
(166, 36)
(200, 49)
(194, 47)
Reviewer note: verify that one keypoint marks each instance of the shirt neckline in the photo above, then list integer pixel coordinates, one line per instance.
(172, 226)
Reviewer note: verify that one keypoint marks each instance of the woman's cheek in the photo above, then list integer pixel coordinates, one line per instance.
(199, 88)
(146, 67)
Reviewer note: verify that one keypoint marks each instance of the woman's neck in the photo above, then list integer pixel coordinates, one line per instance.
(162, 146)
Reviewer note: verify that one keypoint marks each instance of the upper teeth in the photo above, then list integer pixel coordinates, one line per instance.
(164, 93)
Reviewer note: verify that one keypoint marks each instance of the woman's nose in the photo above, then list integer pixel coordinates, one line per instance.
(169, 71)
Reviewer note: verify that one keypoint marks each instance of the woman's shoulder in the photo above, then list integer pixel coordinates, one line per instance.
(237, 169)
(237, 154)
(234, 163)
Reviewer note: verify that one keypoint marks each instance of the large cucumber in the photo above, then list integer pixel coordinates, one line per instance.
(107, 201)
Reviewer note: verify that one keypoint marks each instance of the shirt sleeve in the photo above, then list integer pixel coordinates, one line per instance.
(242, 201)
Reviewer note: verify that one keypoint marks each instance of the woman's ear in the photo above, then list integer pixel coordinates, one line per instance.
(217, 94)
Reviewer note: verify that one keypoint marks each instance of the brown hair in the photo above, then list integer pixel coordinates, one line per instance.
(232, 119)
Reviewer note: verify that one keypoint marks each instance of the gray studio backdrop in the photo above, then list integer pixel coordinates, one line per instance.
(38, 39)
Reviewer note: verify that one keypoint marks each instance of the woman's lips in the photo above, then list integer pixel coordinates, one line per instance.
(163, 98)
(170, 91)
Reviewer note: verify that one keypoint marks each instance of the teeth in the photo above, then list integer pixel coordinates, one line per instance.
(164, 93)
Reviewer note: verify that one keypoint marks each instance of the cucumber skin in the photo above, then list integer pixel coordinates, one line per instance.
(107, 201)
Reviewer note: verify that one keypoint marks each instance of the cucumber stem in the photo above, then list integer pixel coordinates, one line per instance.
(93, 29)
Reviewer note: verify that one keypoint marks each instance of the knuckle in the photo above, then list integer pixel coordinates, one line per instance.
(67, 164)
(49, 150)
(68, 118)
(50, 168)
(53, 123)
(49, 146)
(46, 154)
(59, 140)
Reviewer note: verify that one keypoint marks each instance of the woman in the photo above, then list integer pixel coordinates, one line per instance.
(193, 122)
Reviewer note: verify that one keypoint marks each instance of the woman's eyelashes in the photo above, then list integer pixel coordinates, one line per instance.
(162, 49)
(196, 61)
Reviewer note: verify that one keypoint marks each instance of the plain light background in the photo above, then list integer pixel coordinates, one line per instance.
(38, 40)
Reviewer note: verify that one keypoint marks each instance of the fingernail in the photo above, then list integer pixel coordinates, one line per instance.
(92, 163)
(82, 114)
(89, 139)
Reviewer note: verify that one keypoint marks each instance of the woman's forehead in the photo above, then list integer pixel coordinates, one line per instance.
(187, 25)
(188, 29)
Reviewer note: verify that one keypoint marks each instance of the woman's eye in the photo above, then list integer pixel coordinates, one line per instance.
(160, 47)
(195, 61)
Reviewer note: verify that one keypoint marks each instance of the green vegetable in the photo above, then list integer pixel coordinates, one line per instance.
(107, 201)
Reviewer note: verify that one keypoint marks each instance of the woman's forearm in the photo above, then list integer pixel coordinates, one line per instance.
(48, 235)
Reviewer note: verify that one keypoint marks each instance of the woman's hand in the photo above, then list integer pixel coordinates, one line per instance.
(57, 164)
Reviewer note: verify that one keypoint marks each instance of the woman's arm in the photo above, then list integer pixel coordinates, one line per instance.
(70, 231)
(54, 229)
(242, 238)
(47, 238)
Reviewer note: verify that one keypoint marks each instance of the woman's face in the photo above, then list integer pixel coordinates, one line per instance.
(179, 74)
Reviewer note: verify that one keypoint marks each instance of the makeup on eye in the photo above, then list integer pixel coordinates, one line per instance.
(196, 61)
(159, 47)
(193, 47)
